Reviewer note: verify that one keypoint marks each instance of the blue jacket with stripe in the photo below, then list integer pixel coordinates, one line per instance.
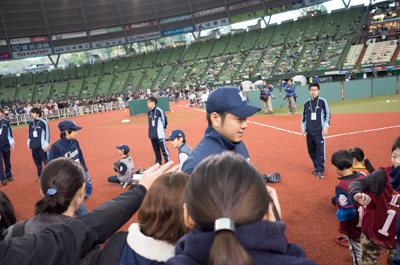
(6, 136)
(157, 116)
(42, 139)
(321, 108)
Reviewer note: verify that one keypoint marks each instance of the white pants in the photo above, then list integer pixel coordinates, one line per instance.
(355, 251)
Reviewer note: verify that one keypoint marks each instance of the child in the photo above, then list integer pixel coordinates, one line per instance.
(231, 212)
(349, 215)
(125, 168)
(6, 146)
(380, 215)
(177, 138)
(358, 159)
(68, 146)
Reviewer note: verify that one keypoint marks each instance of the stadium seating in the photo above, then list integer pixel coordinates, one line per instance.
(234, 44)
(379, 52)
(220, 45)
(75, 88)
(42, 92)
(353, 54)
(9, 81)
(314, 27)
(83, 71)
(205, 49)
(192, 51)
(90, 87)
(265, 36)
(70, 72)
(120, 81)
(25, 93)
(163, 56)
(8, 94)
(176, 54)
(58, 91)
(352, 21)
(250, 39)
(290, 55)
(268, 62)
(136, 62)
(297, 31)
(149, 60)
(134, 79)
(232, 63)
(26, 79)
(281, 34)
(109, 66)
(334, 51)
(333, 23)
(96, 69)
(104, 85)
(55, 75)
(123, 63)
(182, 74)
(311, 53)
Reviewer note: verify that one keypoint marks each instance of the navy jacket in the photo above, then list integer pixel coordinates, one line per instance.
(212, 143)
(264, 241)
(290, 90)
(157, 116)
(67, 148)
(314, 127)
(42, 139)
(6, 136)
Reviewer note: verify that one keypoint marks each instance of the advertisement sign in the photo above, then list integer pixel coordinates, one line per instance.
(30, 46)
(355, 71)
(108, 43)
(70, 35)
(175, 19)
(212, 24)
(94, 32)
(243, 4)
(3, 42)
(369, 69)
(32, 53)
(313, 2)
(247, 16)
(332, 73)
(343, 72)
(5, 56)
(390, 67)
(143, 37)
(140, 25)
(72, 48)
(180, 30)
(348, 67)
(210, 11)
(29, 40)
(284, 8)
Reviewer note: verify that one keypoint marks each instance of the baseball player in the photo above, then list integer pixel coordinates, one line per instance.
(157, 126)
(38, 140)
(177, 138)
(125, 167)
(6, 145)
(68, 146)
(314, 125)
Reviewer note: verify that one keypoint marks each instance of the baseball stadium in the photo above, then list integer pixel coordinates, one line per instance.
(101, 64)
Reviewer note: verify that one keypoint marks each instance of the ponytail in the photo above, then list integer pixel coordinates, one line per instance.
(368, 165)
(227, 250)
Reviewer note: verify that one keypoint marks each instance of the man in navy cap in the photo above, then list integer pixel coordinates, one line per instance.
(178, 140)
(68, 146)
(227, 113)
(125, 167)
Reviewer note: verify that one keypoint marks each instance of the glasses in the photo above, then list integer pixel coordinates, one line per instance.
(315, 89)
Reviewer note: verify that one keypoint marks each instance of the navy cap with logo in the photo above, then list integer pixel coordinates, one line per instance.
(65, 125)
(124, 148)
(230, 99)
(175, 134)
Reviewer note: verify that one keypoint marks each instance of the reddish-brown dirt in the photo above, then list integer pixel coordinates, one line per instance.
(305, 200)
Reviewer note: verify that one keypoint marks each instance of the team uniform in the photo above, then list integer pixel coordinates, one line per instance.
(6, 141)
(157, 124)
(212, 143)
(380, 215)
(316, 116)
(184, 153)
(69, 148)
(361, 169)
(38, 139)
(349, 215)
(125, 171)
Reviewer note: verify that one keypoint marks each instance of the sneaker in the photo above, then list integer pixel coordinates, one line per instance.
(3, 183)
(314, 171)
(343, 241)
(124, 184)
(38, 179)
(319, 175)
(10, 179)
(271, 112)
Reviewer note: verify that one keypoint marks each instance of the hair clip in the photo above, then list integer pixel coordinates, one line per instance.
(224, 224)
(51, 191)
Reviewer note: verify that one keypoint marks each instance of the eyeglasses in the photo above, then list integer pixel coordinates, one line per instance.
(314, 90)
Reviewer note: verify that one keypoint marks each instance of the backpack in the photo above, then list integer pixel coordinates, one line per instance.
(19, 229)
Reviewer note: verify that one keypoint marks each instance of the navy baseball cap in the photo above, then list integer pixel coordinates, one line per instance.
(124, 148)
(230, 99)
(64, 125)
(175, 134)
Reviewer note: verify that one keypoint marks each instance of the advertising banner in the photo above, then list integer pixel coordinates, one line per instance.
(70, 35)
(313, 2)
(5, 56)
(140, 25)
(175, 19)
(72, 48)
(247, 16)
(108, 43)
(143, 37)
(29, 40)
(210, 11)
(94, 32)
(180, 30)
(284, 8)
(212, 24)
(3, 42)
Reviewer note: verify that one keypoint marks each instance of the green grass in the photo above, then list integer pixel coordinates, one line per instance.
(360, 105)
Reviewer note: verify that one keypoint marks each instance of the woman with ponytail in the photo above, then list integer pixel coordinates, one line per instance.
(234, 217)
(360, 162)
(62, 188)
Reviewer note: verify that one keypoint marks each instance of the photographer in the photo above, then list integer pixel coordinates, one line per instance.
(265, 96)
(291, 97)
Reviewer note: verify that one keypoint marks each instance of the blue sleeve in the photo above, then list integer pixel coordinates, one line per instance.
(46, 140)
(326, 115)
(122, 168)
(54, 153)
(10, 136)
(346, 209)
(395, 178)
(81, 159)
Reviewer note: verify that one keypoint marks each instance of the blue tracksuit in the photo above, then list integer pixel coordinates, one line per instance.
(157, 125)
(70, 149)
(313, 127)
(38, 138)
(212, 143)
(6, 140)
